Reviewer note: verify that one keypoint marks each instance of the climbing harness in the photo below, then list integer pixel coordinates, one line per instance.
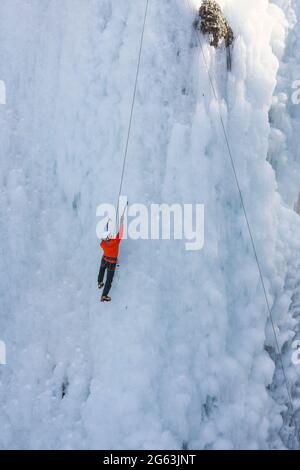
(110, 259)
(292, 408)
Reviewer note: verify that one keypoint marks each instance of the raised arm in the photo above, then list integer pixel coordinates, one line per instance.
(120, 232)
(121, 229)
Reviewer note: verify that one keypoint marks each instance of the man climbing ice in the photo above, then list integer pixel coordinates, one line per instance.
(110, 247)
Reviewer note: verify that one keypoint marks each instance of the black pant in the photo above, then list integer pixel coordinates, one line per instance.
(111, 267)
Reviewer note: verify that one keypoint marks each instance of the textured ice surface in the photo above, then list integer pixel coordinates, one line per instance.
(179, 356)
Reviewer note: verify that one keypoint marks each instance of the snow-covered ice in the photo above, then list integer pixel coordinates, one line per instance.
(185, 354)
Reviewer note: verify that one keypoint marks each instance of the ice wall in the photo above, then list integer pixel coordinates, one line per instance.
(178, 358)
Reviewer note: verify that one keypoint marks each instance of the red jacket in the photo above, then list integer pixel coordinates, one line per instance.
(111, 247)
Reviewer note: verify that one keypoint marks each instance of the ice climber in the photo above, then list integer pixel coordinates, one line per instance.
(110, 247)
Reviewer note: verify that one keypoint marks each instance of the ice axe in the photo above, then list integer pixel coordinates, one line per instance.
(126, 205)
(107, 225)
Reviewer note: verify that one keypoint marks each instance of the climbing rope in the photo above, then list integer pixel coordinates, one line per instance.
(248, 224)
(132, 108)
